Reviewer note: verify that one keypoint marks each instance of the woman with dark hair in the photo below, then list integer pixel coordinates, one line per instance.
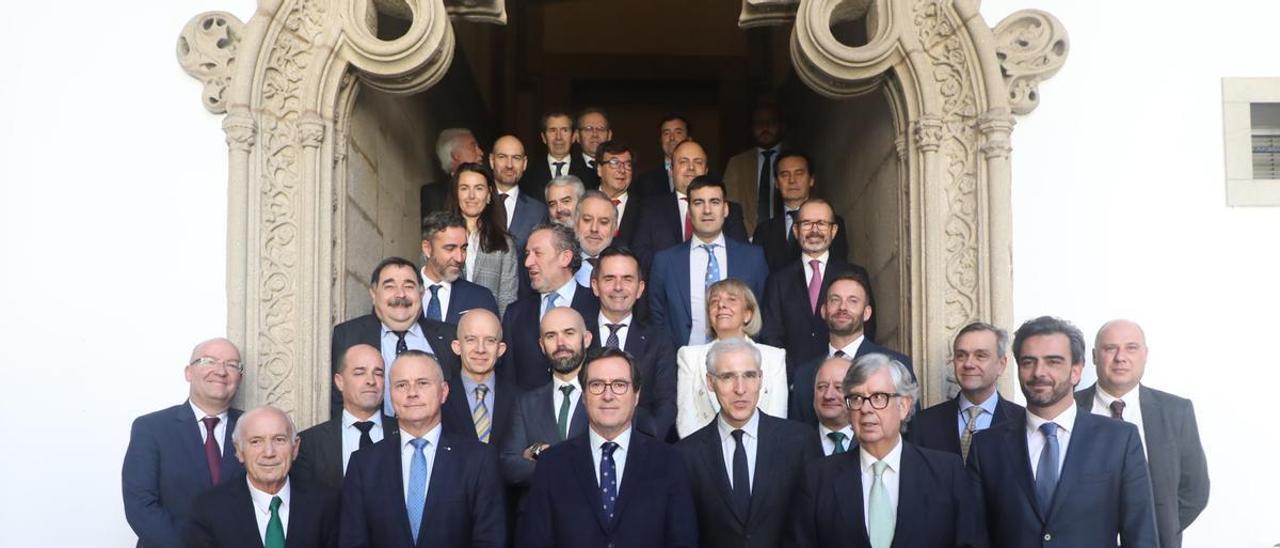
(491, 253)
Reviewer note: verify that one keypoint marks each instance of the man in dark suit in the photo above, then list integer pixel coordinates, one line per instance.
(449, 483)
(397, 324)
(751, 461)
(782, 243)
(326, 448)
(264, 507)
(978, 355)
(176, 453)
(454, 147)
(523, 209)
(846, 310)
(444, 246)
(557, 134)
(619, 284)
(591, 129)
(552, 256)
(665, 220)
(676, 301)
(482, 396)
(615, 169)
(834, 431)
(887, 493)
(792, 307)
(1062, 477)
(1166, 423)
(612, 486)
(673, 130)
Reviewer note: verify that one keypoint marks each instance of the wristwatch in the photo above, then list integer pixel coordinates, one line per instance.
(537, 450)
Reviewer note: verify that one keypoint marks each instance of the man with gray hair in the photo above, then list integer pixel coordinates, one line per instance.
(454, 147)
(595, 222)
(979, 358)
(284, 509)
(887, 480)
(562, 195)
(763, 457)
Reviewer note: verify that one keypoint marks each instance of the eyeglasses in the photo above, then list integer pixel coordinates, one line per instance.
(616, 163)
(879, 400)
(731, 378)
(593, 129)
(618, 388)
(820, 225)
(206, 361)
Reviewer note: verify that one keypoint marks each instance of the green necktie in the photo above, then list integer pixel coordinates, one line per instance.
(275, 529)
(880, 513)
(837, 438)
(563, 420)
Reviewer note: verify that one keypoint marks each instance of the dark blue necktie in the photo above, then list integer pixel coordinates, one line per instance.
(433, 307)
(741, 476)
(1047, 470)
(608, 479)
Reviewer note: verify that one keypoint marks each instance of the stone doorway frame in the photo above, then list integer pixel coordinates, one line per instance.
(287, 79)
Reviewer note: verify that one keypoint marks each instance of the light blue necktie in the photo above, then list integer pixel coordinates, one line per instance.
(433, 307)
(416, 502)
(1047, 470)
(713, 266)
(881, 517)
(549, 302)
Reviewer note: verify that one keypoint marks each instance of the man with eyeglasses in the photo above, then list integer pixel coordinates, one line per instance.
(782, 243)
(762, 456)
(616, 168)
(448, 482)
(590, 131)
(175, 454)
(611, 486)
(898, 494)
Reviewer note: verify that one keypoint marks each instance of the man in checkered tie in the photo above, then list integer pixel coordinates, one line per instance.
(481, 397)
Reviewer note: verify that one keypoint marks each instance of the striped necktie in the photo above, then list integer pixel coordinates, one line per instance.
(484, 425)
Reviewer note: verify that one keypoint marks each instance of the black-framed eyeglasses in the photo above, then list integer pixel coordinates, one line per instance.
(616, 163)
(879, 400)
(619, 388)
(207, 361)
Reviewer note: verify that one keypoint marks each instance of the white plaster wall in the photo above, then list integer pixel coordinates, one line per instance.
(113, 267)
(1119, 210)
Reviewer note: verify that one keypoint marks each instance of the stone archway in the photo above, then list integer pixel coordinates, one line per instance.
(286, 82)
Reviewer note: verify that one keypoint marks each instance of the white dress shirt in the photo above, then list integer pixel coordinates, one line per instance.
(829, 446)
(698, 262)
(682, 202)
(1036, 442)
(473, 249)
(890, 478)
(406, 456)
(442, 294)
(622, 331)
(808, 270)
(558, 400)
(850, 350)
(566, 293)
(510, 202)
(219, 431)
(262, 507)
(1132, 410)
(564, 169)
(750, 442)
(351, 435)
(583, 275)
(586, 161)
(622, 205)
(619, 455)
(415, 340)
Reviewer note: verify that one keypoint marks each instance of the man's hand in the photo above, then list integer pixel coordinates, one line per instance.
(534, 450)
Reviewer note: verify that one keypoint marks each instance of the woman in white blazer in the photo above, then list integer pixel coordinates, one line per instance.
(732, 312)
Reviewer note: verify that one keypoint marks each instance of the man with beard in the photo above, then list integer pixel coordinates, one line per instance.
(455, 146)
(595, 223)
(326, 448)
(557, 134)
(846, 309)
(615, 169)
(522, 210)
(591, 129)
(673, 130)
(562, 196)
(778, 236)
(749, 175)
(792, 311)
(444, 246)
(395, 326)
(1062, 476)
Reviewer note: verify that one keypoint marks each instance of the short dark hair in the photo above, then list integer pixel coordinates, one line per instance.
(618, 251)
(564, 239)
(415, 353)
(577, 122)
(1049, 325)
(672, 116)
(553, 113)
(438, 221)
(606, 352)
(706, 181)
(855, 276)
(394, 261)
(1002, 336)
(616, 148)
(808, 162)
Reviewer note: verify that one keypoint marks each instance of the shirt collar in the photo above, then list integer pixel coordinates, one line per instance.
(1106, 398)
(470, 384)
(416, 329)
(623, 439)
(200, 414)
(752, 428)
(512, 193)
(894, 458)
(262, 499)
(427, 282)
(556, 383)
(568, 159)
(988, 405)
(850, 350)
(565, 292)
(432, 437)
(625, 321)
(848, 431)
(348, 419)
(760, 150)
(822, 259)
(1065, 420)
(697, 242)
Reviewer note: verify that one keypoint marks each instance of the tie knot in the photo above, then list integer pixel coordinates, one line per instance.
(878, 468)
(275, 504)
(815, 264)
(793, 213)
(767, 153)
(400, 334)
(418, 444)
(614, 327)
(1117, 409)
(974, 412)
(710, 248)
(551, 299)
(737, 435)
(482, 390)
(363, 426)
(503, 196)
(837, 437)
(1049, 429)
(435, 288)
(839, 354)
(608, 448)
(616, 202)
(566, 390)
(211, 422)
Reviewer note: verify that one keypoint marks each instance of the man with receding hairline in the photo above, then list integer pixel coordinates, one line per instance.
(483, 394)
(834, 430)
(326, 448)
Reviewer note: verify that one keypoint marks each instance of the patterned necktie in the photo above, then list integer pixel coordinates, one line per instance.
(401, 346)
(1047, 470)
(416, 501)
(212, 453)
(481, 415)
(364, 427)
(613, 342)
(503, 214)
(815, 284)
(562, 422)
(1117, 409)
(275, 528)
(837, 438)
(764, 193)
(608, 479)
(433, 306)
(713, 265)
(559, 168)
(688, 221)
(969, 428)
(741, 475)
(549, 302)
(881, 516)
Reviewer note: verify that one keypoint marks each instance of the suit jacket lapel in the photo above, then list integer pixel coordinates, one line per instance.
(681, 282)
(392, 467)
(192, 444)
(713, 453)
(299, 514)
(584, 472)
(1016, 440)
(246, 522)
(952, 407)
(1154, 426)
(230, 465)
(637, 456)
(443, 480)
(848, 488)
(911, 503)
(673, 211)
(578, 420)
(765, 458)
(1072, 467)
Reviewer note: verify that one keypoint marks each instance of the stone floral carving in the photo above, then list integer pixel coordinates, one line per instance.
(207, 52)
(1031, 46)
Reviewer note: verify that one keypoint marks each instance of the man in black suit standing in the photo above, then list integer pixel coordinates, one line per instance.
(557, 134)
(616, 167)
(449, 483)
(834, 430)
(521, 208)
(591, 129)
(979, 357)
(657, 182)
(846, 310)
(326, 448)
(1062, 477)
(396, 325)
(454, 147)
(750, 459)
(889, 492)
(1166, 423)
(552, 257)
(792, 307)
(482, 395)
(264, 507)
(777, 235)
(612, 486)
(444, 248)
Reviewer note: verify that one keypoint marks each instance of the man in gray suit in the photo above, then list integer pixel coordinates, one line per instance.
(1166, 423)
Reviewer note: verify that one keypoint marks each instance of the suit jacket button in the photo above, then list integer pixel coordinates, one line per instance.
(1048, 537)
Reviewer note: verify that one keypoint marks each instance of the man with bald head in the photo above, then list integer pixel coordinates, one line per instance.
(286, 512)
(176, 453)
(446, 480)
(1166, 423)
(521, 209)
(326, 448)
(483, 395)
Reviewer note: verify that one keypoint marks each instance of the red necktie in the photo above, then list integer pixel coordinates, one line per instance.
(212, 453)
(688, 223)
(616, 203)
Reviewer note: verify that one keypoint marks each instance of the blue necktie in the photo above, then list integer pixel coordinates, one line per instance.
(713, 266)
(1047, 470)
(612, 341)
(741, 475)
(416, 502)
(549, 302)
(433, 307)
(608, 478)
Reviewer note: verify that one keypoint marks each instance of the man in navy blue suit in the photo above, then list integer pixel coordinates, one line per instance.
(612, 486)
(175, 454)
(1062, 477)
(444, 246)
(681, 273)
(449, 483)
(524, 208)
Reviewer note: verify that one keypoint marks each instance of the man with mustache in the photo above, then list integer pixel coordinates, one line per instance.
(396, 325)
(1062, 477)
(444, 248)
(595, 222)
(326, 448)
(284, 511)
(778, 236)
(557, 135)
(562, 196)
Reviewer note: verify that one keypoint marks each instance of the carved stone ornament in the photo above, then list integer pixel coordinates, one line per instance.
(1032, 46)
(478, 11)
(763, 13)
(207, 52)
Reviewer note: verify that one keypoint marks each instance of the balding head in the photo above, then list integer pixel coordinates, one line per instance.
(214, 373)
(361, 380)
(564, 338)
(1120, 356)
(508, 161)
(688, 160)
(266, 442)
(479, 343)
